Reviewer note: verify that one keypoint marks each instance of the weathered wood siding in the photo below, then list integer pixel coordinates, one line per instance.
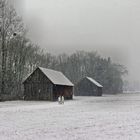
(38, 87)
(87, 88)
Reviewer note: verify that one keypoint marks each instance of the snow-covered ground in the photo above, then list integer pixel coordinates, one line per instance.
(111, 117)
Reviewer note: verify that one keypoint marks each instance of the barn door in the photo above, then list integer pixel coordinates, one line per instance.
(57, 91)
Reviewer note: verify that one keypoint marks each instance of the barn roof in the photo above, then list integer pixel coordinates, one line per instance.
(93, 81)
(56, 77)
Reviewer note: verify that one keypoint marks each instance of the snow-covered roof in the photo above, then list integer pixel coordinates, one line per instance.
(56, 77)
(93, 81)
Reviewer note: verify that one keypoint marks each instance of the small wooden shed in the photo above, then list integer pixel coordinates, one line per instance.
(88, 87)
(47, 84)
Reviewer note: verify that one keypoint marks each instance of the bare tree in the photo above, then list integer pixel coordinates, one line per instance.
(10, 24)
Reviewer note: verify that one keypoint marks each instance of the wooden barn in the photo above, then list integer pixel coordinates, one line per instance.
(88, 87)
(47, 84)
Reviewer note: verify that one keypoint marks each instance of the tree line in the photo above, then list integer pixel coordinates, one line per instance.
(19, 57)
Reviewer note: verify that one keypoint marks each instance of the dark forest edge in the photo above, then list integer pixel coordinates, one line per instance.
(19, 57)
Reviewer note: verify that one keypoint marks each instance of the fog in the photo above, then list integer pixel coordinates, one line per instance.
(111, 27)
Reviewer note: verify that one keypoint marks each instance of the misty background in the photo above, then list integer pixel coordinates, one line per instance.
(111, 27)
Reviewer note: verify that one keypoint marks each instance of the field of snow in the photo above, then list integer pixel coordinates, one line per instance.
(111, 117)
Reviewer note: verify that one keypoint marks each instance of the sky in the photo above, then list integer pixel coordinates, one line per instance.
(111, 27)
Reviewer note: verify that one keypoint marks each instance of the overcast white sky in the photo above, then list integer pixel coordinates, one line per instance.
(112, 27)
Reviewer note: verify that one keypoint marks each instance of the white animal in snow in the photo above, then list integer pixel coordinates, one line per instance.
(59, 100)
(62, 99)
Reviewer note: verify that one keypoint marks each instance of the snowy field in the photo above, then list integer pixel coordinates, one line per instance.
(111, 117)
